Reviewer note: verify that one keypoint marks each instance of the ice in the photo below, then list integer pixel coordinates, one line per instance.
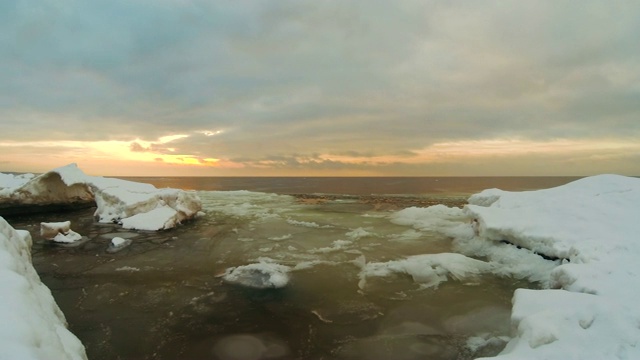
(261, 275)
(59, 232)
(117, 243)
(135, 205)
(579, 241)
(428, 270)
(8, 182)
(35, 328)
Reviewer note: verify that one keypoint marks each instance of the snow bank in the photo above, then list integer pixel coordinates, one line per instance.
(591, 226)
(134, 205)
(580, 242)
(31, 324)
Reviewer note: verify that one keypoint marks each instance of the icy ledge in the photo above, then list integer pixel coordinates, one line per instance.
(134, 205)
(33, 327)
(592, 225)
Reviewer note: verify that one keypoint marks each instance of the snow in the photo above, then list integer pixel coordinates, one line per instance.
(135, 205)
(118, 241)
(579, 241)
(37, 326)
(261, 275)
(429, 270)
(59, 232)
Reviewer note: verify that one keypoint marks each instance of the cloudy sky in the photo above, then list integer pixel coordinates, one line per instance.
(308, 88)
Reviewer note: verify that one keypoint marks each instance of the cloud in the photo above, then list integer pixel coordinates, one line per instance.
(289, 80)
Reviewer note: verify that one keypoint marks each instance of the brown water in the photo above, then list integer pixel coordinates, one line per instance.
(163, 297)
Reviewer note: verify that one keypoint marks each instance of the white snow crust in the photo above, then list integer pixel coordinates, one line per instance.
(134, 205)
(589, 234)
(31, 323)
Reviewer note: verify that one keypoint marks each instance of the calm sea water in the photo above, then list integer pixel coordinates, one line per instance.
(358, 185)
(163, 298)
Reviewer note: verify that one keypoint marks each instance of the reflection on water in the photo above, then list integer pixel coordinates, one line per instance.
(163, 297)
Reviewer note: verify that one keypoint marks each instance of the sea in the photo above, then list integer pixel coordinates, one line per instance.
(165, 296)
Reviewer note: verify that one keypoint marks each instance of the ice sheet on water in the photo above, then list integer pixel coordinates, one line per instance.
(428, 270)
(245, 204)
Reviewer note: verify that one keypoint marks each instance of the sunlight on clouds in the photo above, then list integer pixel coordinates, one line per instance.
(210, 133)
(97, 151)
(170, 138)
(516, 147)
(470, 149)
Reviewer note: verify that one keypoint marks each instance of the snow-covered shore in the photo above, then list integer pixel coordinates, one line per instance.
(579, 241)
(591, 310)
(33, 327)
(131, 204)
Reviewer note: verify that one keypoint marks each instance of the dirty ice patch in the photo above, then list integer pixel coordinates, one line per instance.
(261, 275)
(31, 323)
(428, 270)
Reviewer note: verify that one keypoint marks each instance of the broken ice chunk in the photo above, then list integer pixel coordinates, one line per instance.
(117, 244)
(59, 232)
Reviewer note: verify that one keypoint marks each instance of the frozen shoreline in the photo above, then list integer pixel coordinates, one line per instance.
(587, 307)
(133, 205)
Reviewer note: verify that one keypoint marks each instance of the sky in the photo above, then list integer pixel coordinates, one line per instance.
(320, 88)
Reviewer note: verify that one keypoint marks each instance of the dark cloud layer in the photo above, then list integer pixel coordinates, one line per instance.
(288, 80)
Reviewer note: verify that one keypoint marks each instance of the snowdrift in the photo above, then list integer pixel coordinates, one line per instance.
(579, 242)
(33, 325)
(133, 205)
(591, 228)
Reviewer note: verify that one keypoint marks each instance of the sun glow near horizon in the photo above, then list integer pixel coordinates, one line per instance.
(163, 157)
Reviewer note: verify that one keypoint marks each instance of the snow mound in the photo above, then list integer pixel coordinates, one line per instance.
(591, 227)
(135, 205)
(429, 269)
(33, 327)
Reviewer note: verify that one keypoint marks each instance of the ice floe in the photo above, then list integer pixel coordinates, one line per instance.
(260, 275)
(59, 232)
